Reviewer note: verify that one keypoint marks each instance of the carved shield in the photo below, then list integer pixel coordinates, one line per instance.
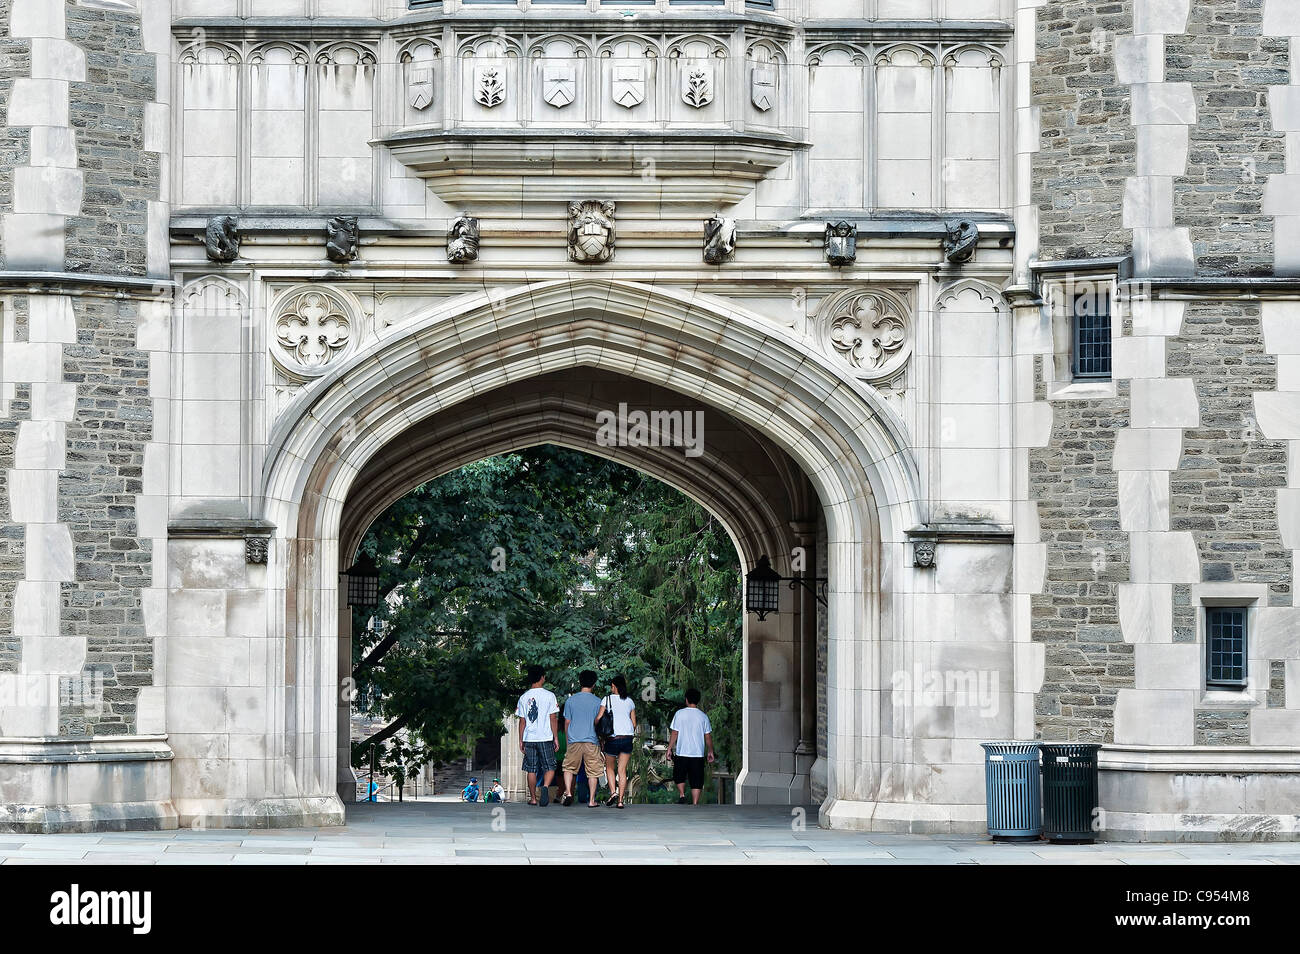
(629, 85)
(697, 85)
(489, 86)
(559, 85)
(762, 88)
(419, 86)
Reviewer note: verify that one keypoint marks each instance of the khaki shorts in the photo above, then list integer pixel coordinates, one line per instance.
(584, 753)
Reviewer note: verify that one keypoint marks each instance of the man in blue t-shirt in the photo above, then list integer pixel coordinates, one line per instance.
(580, 732)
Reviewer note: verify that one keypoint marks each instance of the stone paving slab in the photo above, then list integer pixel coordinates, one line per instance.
(454, 833)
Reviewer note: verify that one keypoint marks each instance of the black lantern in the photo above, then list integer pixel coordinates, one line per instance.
(363, 583)
(762, 589)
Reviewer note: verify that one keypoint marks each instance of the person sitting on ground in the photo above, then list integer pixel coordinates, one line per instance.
(539, 740)
(690, 740)
(470, 792)
(496, 793)
(580, 734)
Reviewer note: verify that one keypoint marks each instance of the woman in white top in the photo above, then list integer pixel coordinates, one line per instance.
(618, 747)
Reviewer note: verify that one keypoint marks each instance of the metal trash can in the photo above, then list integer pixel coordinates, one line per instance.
(1069, 791)
(1011, 790)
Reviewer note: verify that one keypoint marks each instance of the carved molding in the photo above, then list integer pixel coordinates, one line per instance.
(870, 330)
(313, 327)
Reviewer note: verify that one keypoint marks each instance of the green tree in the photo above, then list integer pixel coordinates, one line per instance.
(553, 557)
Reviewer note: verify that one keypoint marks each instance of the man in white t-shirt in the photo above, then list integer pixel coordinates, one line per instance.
(538, 713)
(690, 744)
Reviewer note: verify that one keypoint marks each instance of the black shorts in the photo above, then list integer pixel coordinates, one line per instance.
(689, 768)
(618, 745)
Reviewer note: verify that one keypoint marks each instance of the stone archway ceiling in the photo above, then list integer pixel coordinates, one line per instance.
(695, 171)
(742, 478)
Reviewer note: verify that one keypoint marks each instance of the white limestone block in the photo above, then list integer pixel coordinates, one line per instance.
(33, 496)
(1146, 612)
(1163, 251)
(207, 661)
(25, 362)
(1281, 324)
(151, 710)
(1284, 107)
(36, 18)
(1282, 194)
(36, 609)
(38, 102)
(1286, 244)
(48, 189)
(49, 552)
(1169, 557)
(206, 564)
(1167, 665)
(34, 241)
(1288, 372)
(51, 318)
(41, 445)
(196, 613)
(1030, 666)
(1157, 317)
(1160, 16)
(54, 655)
(1288, 517)
(1275, 727)
(53, 146)
(1031, 567)
(1143, 500)
(1165, 403)
(843, 136)
(1149, 202)
(1155, 717)
(58, 59)
(1140, 59)
(1163, 104)
(1276, 633)
(1134, 357)
(1161, 150)
(1278, 414)
(1148, 449)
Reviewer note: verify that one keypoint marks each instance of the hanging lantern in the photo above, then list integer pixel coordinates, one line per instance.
(762, 589)
(363, 583)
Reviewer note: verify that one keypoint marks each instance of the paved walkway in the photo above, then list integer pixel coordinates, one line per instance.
(439, 833)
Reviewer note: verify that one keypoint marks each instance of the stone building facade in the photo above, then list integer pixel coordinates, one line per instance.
(991, 307)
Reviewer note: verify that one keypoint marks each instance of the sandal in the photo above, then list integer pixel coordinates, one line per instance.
(611, 801)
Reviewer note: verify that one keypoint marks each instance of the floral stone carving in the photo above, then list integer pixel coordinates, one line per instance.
(871, 331)
(312, 328)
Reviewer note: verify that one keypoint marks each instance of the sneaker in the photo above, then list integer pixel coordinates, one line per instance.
(543, 796)
(681, 799)
(568, 800)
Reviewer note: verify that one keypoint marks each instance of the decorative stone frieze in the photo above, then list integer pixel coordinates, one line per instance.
(222, 238)
(697, 85)
(719, 240)
(489, 86)
(313, 327)
(841, 243)
(343, 241)
(591, 231)
(463, 240)
(961, 241)
(870, 331)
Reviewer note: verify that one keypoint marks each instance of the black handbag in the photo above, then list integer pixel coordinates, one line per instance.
(605, 724)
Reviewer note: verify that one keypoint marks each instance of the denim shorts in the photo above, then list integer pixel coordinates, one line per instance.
(618, 745)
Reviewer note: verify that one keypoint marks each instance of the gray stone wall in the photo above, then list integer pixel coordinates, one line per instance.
(1087, 660)
(1087, 147)
(108, 115)
(1233, 148)
(97, 494)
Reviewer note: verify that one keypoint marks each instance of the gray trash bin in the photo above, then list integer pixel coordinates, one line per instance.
(1012, 790)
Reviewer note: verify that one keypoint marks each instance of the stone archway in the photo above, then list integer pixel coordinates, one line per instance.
(837, 431)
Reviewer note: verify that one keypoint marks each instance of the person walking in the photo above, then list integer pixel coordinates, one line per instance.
(539, 714)
(689, 744)
(580, 737)
(618, 747)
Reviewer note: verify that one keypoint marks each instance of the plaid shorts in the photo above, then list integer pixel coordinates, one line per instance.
(539, 757)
